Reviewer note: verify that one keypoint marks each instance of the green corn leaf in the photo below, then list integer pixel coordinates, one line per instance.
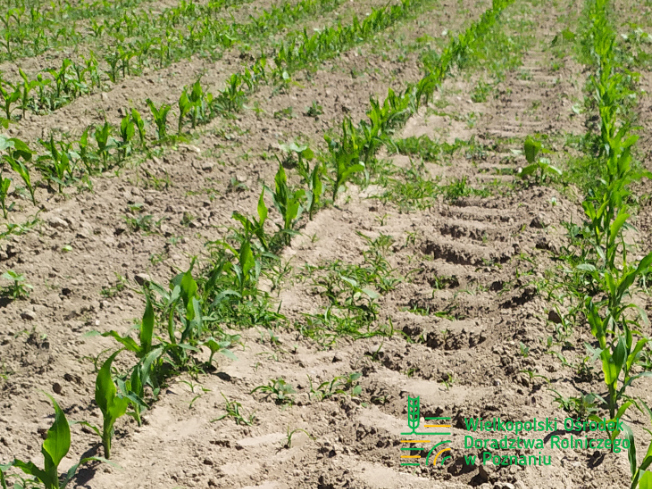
(609, 368)
(617, 225)
(612, 364)
(246, 258)
(54, 448)
(188, 289)
(611, 283)
(645, 482)
(634, 354)
(619, 414)
(351, 170)
(532, 148)
(146, 329)
(126, 341)
(528, 170)
(629, 278)
(262, 209)
(57, 441)
(111, 405)
(620, 353)
(3, 481)
(30, 469)
(631, 451)
(105, 389)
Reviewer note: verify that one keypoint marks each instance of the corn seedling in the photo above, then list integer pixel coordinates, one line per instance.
(9, 97)
(315, 189)
(16, 153)
(112, 405)
(541, 167)
(281, 391)
(18, 288)
(127, 132)
(325, 390)
(105, 142)
(346, 158)
(54, 449)
(160, 118)
(140, 126)
(291, 433)
(56, 163)
(86, 156)
(233, 410)
(253, 227)
(287, 203)
(5, 183)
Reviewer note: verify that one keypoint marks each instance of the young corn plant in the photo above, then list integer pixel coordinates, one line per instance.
(541, 167)
(86, 155)
(112, 405)
(315, 188)
(5, 183)
(140, 126)
(142, 375)
(185, 107)
(105, 143)
(17, 153)
(287, 202)
(160, 119)
(54, 449)
(55, 164)
(18, 288)
(127, 131)
(255, 227)
(10, 95)
(27, 87)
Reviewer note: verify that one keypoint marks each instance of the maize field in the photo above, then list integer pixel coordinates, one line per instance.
(273, 243)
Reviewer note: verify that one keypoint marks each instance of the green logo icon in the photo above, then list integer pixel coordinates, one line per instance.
(414, 422)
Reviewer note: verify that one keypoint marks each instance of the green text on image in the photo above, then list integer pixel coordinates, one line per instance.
(557, 434)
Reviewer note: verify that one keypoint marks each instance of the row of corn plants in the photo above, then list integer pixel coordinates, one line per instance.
(190, 314)
(99, 149)
(605, 274)
(56, 87)
(29, 29)
(124, 26)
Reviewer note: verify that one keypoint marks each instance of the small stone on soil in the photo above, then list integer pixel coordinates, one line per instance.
(142, 278)
(28, 315)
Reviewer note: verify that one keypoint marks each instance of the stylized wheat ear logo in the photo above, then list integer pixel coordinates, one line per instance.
(413, 412)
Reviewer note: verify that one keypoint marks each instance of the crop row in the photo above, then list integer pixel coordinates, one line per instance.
(55, 88)
(66, 162)
(603, 273)
(29, 30)
(189, 313)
